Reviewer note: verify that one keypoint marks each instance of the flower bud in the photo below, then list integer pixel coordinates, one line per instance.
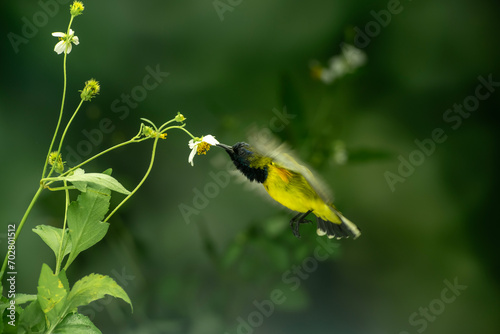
(148, 131)
(90, 90)
(56, 159)
(76, 8)
(180, 117)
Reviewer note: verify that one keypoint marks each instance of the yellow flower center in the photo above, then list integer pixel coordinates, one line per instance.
(202, 148)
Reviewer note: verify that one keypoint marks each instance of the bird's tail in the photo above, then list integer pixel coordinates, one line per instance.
(344, 229)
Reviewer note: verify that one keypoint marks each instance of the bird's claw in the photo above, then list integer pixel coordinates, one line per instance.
(296, 221)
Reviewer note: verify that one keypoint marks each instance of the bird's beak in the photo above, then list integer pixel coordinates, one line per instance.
(228, 149)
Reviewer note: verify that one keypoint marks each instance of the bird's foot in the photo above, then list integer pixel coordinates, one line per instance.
(297, 220)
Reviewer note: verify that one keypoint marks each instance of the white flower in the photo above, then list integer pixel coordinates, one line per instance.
(354, 57)
(327, 76)
(338, 66)
(65, 40)
(201, 146)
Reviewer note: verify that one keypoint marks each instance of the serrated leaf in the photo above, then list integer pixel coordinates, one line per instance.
(52, 237)
(32, 318)
(101, 179)
(52, 294)
(84, 220)
(76, 323)
(22, 298)
(94, 287)
(64, 280)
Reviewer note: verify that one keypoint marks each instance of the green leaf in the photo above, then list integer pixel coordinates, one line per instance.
(84, 220)
(52, 237)
(22, 298)
(52, 295)
(108, 171)
(64, 280)
(100, 179)
(32, 319)
(80, 185)
(4, 303)
(94, 287)
(76, 323)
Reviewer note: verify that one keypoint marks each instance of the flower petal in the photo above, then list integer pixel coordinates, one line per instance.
(59, 48)
(75, 40)
(210, 140)
(191, 156)
(58, 34)
(68, 48)
(192, 144)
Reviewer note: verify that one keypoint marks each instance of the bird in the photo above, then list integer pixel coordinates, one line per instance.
(294, 186)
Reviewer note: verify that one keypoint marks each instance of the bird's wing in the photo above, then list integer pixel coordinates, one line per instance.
(283, 156)
(287, 160)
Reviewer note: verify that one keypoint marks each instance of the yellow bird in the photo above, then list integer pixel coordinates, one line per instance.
(293, 186)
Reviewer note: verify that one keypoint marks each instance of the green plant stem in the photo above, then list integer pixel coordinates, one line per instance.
(166, 123)
(20, 227)
(69, 26)
(59, 120)
(180, 127)
(64, 135)
(60, 188)
(59, 257)
(133, 140)
(62, 106)
(140, 183)
(40, 189)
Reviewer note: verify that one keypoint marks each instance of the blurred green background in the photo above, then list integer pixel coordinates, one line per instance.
(226, 76)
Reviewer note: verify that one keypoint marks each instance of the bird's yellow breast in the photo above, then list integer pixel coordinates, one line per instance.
(292, 190)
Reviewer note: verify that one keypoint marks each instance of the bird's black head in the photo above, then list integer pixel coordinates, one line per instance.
(247, 161)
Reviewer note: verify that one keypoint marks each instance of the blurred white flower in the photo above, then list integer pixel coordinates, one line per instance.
(349, 60)
(354, 56)
(65, 40)
(201, 146)
(340, 155)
